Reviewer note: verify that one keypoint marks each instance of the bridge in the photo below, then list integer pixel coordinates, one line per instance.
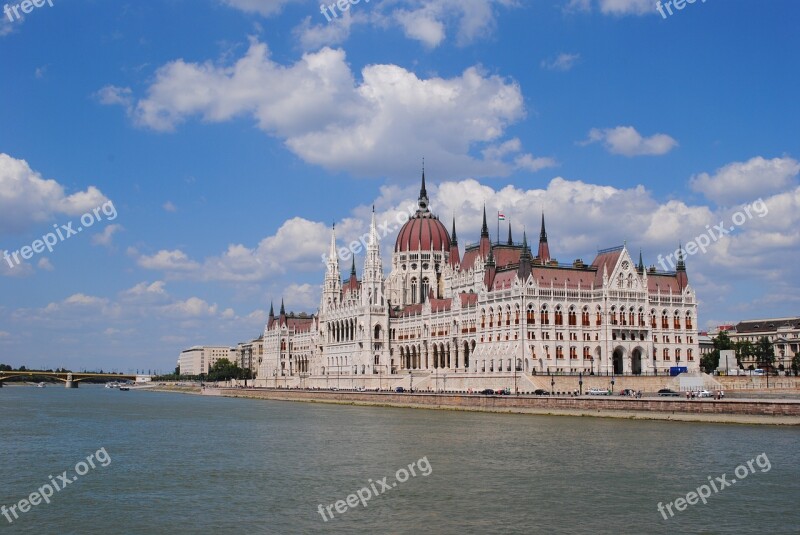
(70, 379)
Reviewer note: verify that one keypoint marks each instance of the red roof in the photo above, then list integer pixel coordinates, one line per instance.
(423, 232)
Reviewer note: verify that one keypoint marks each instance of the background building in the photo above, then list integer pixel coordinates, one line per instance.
(199, 359)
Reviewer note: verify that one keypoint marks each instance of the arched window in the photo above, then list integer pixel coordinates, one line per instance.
(426, 285)
(414, 293)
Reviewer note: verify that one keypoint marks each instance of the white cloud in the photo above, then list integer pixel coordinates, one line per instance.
(315, 36)
(421, 25)
(105, 238)
(168, 261)
(26, 198)
(627, 7)
(304, 296)
(194, 307)
(373, 127)
(745, 181)
(562, 62)
(625, 140)
(529, 163)
(44, 264)
(169, 207)
(263, 7)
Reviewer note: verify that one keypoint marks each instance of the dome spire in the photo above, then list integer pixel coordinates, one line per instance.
(423, 193)
(510, 241)
(485, 227)
(453, 237)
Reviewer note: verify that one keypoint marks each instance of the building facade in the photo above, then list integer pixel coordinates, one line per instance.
(783, 333)
(250, 354)
(198, 360)
(494, 310)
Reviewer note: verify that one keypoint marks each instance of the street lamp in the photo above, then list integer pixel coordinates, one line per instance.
(410, 381)
(612, 383)
(552, 383)
(445, 382)
(580, 383)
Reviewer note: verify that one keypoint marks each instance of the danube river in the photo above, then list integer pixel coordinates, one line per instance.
(146, 462)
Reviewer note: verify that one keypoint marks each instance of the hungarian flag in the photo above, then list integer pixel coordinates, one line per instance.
(501, 216)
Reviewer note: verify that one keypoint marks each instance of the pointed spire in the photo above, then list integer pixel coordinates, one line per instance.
(526, 253)
(640, 267)
(271, 310)
(353, 268)
(485, 227)
(510, 241)
(524, 259)
(423, 193)
(543, 233)
(544, 248)
(453, 237)
(681, 264)
(283, 309)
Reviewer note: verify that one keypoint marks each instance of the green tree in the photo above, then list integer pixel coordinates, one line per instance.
(796, 364)
(722, 341)
(225, 370)
(744, 350)
(764, 352)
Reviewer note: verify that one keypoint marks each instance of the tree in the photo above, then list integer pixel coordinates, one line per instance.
(722, 341)
(764, 352)
(744, 350)
(796, 364)
(225, 370)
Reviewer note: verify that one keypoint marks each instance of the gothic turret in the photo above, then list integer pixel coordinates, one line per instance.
(544, 247)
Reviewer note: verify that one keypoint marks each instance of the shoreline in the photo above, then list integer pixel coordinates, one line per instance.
(734, 413)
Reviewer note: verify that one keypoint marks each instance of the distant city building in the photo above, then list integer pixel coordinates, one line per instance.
(493, 311)
(706, 343)
(783, 333)
(199, 359)
(250, 354)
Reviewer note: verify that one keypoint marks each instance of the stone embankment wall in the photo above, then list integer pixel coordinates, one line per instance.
(786, 408)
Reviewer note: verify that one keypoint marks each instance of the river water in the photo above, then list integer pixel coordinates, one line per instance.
(179, 464)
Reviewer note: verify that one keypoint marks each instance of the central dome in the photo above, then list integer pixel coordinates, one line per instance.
(423, 231)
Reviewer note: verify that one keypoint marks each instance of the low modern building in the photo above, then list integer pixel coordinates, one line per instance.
(199, 359)
(250, 354)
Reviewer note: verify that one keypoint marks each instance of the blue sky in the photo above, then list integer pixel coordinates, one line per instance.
(229, 134)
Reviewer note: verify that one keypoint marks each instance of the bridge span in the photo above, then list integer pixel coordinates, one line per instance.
(71, 379)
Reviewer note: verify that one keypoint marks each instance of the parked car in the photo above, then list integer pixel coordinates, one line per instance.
(502, 391)
(668, 393)
(488, 391)
(361, 389)
(400, 389)
(597, 392)
(702, 394)
(540, 392)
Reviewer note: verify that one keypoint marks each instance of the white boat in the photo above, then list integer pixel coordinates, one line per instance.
(124, 388)
(41, 385)
(112, 384)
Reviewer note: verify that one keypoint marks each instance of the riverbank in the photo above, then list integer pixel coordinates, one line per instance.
(761, 412)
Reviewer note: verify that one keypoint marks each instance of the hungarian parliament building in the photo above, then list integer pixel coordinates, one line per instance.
(473, 318)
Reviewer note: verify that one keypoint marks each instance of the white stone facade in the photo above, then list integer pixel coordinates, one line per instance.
(493, 310)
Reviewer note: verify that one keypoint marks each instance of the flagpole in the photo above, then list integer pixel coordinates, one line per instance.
(498, 227)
